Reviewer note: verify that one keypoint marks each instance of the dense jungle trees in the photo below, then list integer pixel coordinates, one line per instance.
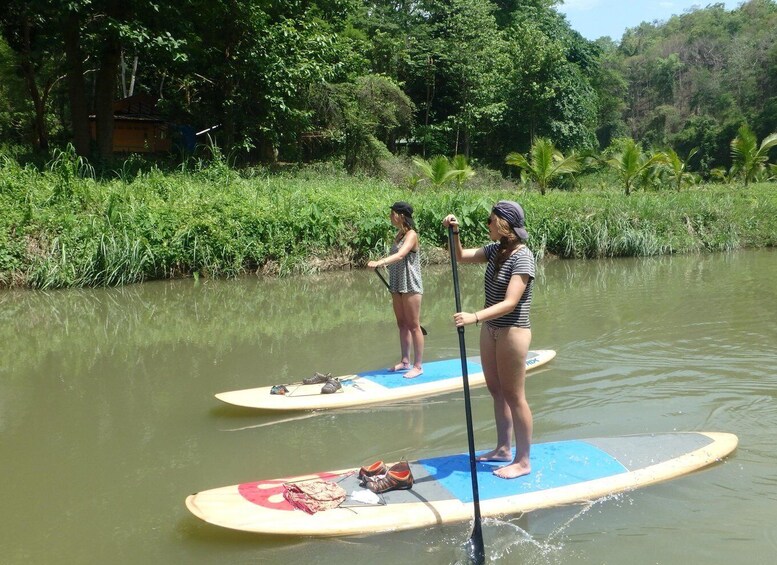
(356, 79)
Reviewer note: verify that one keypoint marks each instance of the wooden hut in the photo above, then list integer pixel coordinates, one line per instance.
(137, 127)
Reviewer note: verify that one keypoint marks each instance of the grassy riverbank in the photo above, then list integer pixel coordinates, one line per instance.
(60, 228)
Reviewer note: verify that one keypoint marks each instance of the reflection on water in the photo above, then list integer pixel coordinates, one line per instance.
(107, 415)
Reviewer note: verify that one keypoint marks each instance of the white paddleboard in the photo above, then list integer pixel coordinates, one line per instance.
(372, 387)
(563, 472)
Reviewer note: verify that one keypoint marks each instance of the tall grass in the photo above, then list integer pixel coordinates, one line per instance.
(63, 226)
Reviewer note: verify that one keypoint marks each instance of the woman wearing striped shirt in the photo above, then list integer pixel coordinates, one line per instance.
(506, 333)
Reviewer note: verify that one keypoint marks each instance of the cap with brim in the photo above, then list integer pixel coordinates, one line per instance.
(406, 210)
(403, 208)
(512, 213)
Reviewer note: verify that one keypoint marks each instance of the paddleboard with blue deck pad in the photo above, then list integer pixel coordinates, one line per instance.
(563, 472)
(373, 387)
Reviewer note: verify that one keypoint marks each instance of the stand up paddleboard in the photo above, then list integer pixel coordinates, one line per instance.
(563, 472)
(372, 387)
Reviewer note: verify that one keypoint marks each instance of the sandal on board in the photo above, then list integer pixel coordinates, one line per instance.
(317, 378)
(279, 389)
(398, 477)
(377, 468)
(332, 385)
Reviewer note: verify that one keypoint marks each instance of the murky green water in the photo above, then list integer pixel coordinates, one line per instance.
(108, 421)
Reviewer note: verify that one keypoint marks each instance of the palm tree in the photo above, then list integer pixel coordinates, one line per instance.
(435, 170)
(749, 158)
(461, 169)
(677, 166)
(630, 162)
(439, 170)
(546, 163)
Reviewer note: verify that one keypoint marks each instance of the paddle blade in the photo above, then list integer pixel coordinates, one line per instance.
(476, 552)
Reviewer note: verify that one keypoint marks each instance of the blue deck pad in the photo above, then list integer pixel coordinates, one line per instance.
(433, 371)
(554, 464)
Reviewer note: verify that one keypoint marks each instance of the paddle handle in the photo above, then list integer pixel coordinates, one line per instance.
(476, 548)
(377, 272)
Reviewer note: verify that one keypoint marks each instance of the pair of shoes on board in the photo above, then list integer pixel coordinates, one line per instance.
(398, 477)
(370, 471)
(279, 389)
(331, 386)
(317, 378)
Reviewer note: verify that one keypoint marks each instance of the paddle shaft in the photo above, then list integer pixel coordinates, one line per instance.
(423, 329)
(477, 551)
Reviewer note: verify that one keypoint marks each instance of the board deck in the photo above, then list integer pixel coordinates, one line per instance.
(563, 472)
(372, 387)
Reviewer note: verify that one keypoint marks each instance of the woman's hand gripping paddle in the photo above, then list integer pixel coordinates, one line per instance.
(475, 548)
(377, 272)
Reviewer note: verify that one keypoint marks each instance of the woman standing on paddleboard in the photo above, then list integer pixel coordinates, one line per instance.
(404, 266)
(506, 333)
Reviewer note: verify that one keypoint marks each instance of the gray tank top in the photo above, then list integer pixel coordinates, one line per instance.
(405, 276)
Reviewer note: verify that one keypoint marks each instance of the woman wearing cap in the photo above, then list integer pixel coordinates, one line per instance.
(404, 266)
(506, 333)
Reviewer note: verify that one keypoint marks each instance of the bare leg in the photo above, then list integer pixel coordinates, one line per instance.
(502, 414)
(512, 350)
(412, 308)
(404, 334)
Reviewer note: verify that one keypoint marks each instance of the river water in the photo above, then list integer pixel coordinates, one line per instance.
(108, 420)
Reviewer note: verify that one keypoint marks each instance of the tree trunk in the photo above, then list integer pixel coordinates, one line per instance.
(79, 109)
(229, 124)
(28, 70)
(104, 94)
(134, 74)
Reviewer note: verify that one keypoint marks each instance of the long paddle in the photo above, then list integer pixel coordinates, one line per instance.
(423, 329)
(476, 550)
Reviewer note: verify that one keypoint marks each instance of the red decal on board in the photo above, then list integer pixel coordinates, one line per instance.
(269, 494)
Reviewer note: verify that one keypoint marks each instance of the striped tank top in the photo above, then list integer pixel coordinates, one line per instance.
(519, 263)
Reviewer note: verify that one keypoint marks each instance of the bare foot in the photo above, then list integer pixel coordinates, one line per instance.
(501, 455)
(512, 471)
(413, 373)
(399, 367)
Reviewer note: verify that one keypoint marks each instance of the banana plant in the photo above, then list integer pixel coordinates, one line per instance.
(545, 163)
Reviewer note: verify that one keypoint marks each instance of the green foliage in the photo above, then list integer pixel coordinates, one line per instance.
(356, 116)
(67, 169)
(286, 81)
(439, 171)
(750, 159)
(462, 169)
(545, 163)
(631, 163)
(162, 225)
(678, 167)
(695, 78)
(550, 89)
(15, 108)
